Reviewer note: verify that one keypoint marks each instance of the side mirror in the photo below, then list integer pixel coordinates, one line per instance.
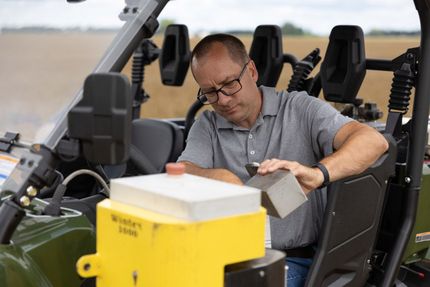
(266, 51)
(102, 119)
(344, 66)
(175, 55)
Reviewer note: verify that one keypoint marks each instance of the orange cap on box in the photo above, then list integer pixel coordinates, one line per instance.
(175, 168)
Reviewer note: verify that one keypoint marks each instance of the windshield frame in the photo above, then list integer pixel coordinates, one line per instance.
(113, 60)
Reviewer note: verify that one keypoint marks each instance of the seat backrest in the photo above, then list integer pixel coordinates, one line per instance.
(350, 226)
(154, 143)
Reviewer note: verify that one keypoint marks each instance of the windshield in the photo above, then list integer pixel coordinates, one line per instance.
(47, 48)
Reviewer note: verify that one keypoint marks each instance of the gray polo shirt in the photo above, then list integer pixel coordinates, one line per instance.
(291, 126)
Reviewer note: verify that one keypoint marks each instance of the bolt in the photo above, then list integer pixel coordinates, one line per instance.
(333, 213)
(408, 179)
(368, 261)
(409, 56)
(25, 201)
(262, 273)
(87, 266)
(386, 181)
(135, 275)
(31, 191)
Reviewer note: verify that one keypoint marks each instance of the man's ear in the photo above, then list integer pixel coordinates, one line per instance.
(254, 71)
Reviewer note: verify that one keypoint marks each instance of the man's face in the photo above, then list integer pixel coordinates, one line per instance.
(216, 69)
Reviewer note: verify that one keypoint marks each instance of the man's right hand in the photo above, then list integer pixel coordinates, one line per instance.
(214, 173)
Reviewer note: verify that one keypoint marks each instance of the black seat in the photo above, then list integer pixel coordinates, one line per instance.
(350, 226)
(153, 144)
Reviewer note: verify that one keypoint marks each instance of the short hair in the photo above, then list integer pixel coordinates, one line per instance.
(235, 47)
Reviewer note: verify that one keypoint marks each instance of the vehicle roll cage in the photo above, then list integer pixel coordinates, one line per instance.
(418, 137)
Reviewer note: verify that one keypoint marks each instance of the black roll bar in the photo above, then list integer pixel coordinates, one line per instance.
(412, 179)
(379, 65)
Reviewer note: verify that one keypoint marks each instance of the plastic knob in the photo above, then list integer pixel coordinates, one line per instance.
(175, 168)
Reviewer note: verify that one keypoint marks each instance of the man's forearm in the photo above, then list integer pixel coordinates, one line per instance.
(359, 150)
(214, 173)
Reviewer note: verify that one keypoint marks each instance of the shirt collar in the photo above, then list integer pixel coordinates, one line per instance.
(271, 102)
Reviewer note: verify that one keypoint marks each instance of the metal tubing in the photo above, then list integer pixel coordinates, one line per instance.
(11, 215)
(416, 149)
(378, 65)
(189, 119)
(290, 59)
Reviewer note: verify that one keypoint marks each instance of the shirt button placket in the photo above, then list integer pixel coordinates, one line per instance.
(251, 148)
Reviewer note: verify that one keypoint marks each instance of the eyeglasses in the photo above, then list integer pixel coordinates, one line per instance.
(228, 89)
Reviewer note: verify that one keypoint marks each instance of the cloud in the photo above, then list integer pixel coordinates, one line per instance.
(318, 16)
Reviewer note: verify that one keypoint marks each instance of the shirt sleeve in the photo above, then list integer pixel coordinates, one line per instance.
(199, 148)
(323, 122)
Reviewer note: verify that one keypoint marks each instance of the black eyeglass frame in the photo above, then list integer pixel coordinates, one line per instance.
(204, 100)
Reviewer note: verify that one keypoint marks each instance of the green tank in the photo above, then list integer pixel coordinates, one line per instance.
(44, 249)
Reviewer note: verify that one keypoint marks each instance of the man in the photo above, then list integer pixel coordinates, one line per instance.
(290, 131)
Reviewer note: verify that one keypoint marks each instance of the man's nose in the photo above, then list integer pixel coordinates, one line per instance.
(223, 100)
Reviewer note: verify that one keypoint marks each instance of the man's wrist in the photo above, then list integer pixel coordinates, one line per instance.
(324, 171)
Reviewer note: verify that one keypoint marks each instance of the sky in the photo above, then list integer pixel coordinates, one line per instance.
(316, 16)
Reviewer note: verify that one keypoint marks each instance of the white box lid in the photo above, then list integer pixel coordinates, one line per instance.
(186, 196)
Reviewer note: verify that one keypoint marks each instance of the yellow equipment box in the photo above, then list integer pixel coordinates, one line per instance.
(139, 247)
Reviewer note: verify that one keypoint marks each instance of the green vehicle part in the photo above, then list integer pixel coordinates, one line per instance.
(45, 249)
(419, 242)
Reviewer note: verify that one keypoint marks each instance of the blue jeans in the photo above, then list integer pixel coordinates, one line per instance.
(298, 269)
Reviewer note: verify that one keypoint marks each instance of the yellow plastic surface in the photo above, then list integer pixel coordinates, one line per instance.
(136, 247)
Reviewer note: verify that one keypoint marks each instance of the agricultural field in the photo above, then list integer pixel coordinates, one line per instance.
(40, 73)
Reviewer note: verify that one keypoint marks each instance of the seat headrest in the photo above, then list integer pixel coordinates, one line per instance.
(266, 51)
(175, 55)
(344, 66)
